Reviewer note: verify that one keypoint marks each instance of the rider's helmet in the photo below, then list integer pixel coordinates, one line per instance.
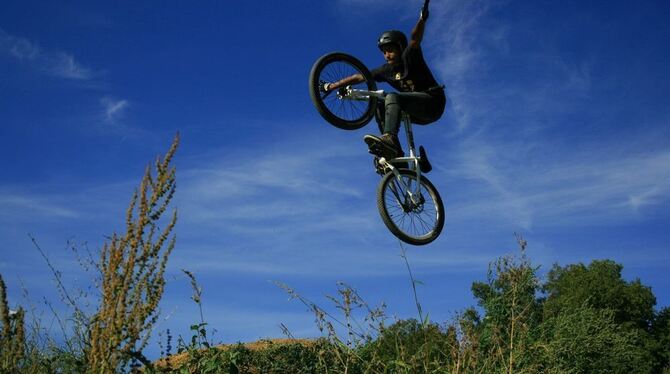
(393, 37)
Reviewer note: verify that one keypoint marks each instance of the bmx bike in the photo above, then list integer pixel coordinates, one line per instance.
(409, 204)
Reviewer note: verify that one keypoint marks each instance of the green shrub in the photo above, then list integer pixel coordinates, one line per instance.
(407, 346)
(588, 340)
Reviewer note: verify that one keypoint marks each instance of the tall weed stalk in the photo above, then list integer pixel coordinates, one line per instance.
(132, 266)
(12, 334)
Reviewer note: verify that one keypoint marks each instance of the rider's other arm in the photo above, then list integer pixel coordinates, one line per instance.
(353, 79)
(417, 31)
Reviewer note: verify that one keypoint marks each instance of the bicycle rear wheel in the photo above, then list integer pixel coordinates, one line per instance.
(341, 112)
(414, 223)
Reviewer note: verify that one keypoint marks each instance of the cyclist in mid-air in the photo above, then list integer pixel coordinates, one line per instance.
(419, 94)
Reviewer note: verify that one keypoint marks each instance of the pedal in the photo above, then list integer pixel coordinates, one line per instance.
(424, 164)
(379, 169)
(375, 149)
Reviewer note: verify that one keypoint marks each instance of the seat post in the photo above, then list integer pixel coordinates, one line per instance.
(408, 131)
(407, 120)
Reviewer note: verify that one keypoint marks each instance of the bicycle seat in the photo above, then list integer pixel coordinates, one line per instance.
(424, 164)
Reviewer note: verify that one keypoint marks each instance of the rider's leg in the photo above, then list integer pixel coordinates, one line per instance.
(392, 121)
(380, 113)
(392, 113)
(422, 107)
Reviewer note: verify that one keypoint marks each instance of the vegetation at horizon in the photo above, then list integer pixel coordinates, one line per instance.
(582, 318)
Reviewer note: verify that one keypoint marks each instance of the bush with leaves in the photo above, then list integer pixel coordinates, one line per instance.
(589, 340)
(407, 346)
(512, 313)
(660, 347)
(600, 286)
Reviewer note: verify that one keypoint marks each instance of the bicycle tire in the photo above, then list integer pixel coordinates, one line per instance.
(418, 226)
(341, 113)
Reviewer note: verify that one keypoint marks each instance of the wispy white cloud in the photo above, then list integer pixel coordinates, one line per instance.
(18, 206)
(18, 48)
(113, 109)
(272, 184)
(280, 191)
(454, 34)
(64, 65)
(602, 185)
(474, 58)
(56, 63)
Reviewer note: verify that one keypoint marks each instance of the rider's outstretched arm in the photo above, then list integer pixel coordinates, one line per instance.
(417, 31)
(352, 79)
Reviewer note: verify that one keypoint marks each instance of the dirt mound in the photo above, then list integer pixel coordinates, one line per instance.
(177, 360)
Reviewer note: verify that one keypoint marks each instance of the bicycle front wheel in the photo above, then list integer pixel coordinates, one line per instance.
(340, 112)
(417, 220)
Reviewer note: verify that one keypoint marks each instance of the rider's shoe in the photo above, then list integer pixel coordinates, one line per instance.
(392, 141)
(381, 148)
(387, 146)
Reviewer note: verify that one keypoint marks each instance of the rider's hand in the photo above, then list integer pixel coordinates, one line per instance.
(324, 86)
(424, 11)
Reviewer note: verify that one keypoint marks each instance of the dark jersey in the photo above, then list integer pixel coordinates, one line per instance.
(412, 75)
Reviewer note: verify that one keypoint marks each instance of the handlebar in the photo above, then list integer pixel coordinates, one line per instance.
(355, 94)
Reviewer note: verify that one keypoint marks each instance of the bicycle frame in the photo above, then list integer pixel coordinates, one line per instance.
(413, 160)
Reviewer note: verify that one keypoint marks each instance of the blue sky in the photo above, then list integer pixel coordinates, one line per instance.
(557, 128)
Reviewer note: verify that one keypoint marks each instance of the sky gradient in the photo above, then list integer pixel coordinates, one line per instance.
(556, 129)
